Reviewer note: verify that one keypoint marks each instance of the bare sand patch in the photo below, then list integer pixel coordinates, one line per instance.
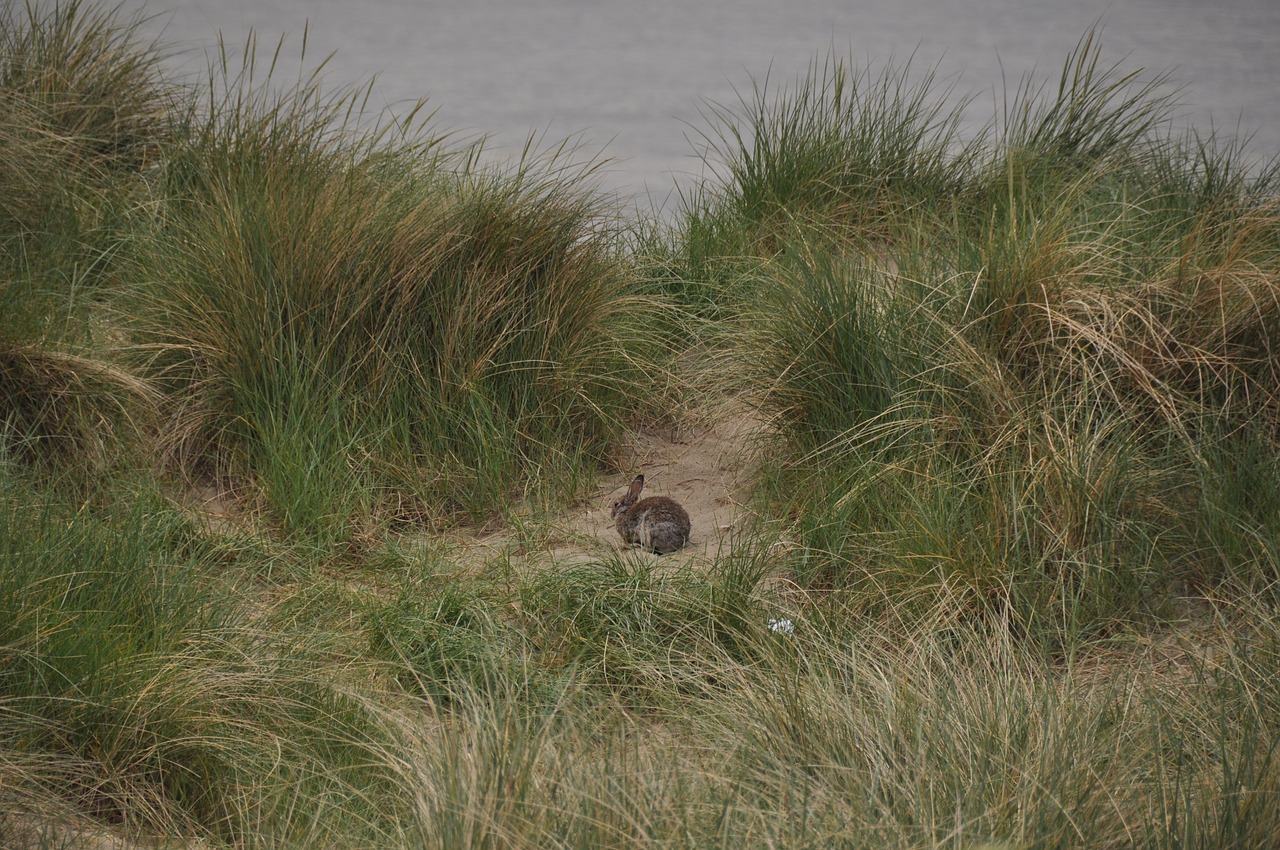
(705, 464)
(705, 467)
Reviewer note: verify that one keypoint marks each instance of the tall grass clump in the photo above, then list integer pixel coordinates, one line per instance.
(366, 321)
(1041, 397)
(1097, 113)
(83, 108)
(136, 692)
(844, 151)
(446, 637)
(847, 732)
(83, 105)
(842, 147)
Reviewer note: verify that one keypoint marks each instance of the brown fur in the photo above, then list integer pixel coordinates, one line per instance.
(657, 524)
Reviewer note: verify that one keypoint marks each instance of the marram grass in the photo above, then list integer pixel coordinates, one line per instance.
(137, 693)
(1024, 396)
(359, 321)
(846, 731)
(83, 109)
(1019, 508)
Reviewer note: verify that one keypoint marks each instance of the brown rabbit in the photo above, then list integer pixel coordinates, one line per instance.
(656, 524)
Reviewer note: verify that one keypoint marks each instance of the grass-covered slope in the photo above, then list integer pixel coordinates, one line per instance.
(370, 327)
(1013, 579)
(1043, 384)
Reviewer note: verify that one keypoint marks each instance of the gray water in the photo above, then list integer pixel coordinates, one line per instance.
(629, 79)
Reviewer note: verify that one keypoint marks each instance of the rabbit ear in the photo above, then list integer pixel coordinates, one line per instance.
(636, 486)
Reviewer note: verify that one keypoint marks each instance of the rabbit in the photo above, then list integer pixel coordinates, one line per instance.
(656, 524)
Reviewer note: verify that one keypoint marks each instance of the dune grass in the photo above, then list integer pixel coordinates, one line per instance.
(83, 109)
(1018, 503)
(138, 694)
(1031, 392)
(622, 709)
(850, 732)
(85, 105)
(374, 328)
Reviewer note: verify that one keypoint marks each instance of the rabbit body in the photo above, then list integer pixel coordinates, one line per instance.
(656, 524)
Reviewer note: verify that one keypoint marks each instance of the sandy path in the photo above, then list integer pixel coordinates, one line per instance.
(705, 464)
(706, 467)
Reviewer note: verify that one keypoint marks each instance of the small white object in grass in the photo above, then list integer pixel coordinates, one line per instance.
(781, 625)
